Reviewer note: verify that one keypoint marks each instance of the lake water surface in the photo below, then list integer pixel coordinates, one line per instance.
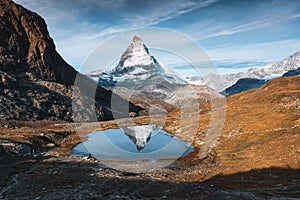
(147, 142)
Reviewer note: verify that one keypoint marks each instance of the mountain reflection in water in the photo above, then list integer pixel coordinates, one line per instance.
(147, 142)
(141, 135)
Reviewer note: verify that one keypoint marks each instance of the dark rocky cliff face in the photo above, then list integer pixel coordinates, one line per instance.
(244, 84)
(26, 47)
(35, 82)
(294, 72)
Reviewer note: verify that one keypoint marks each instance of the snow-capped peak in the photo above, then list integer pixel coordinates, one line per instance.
(138, 69)
(136, 54)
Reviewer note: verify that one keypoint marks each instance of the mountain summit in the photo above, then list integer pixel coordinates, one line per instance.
(139, 72)
(137, 69)
(136, 54)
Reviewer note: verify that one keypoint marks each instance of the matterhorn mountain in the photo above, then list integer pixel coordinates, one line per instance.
(139, 71)
(141, 75)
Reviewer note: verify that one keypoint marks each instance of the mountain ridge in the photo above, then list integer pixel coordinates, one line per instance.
(268, 72)
(137, 67)
(141, 73)
(36, 83)
(25, 41)
(293, 72)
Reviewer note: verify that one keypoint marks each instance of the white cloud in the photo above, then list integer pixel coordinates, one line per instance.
(270, 51)
(165, 12)
(265, 14)
(75, 37)
(250, 26)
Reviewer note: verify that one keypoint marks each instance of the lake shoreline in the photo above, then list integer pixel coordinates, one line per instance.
(216, 174)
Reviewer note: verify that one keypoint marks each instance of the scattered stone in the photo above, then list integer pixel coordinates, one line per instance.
(15, 148)
(50, 145)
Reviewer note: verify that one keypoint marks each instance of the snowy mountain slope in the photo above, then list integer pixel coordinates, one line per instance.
(145, 78)
(268, 72)
(137, 69)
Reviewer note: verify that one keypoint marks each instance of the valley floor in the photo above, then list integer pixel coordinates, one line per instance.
(73, 178)
(239, 167)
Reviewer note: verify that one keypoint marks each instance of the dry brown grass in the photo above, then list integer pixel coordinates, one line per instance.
(261, 130)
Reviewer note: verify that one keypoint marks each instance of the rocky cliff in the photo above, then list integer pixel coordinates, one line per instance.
(35, 82)
(294, 72)
(243, 85)
(26, 47)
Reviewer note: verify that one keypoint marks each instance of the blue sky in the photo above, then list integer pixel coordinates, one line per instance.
(231, 31)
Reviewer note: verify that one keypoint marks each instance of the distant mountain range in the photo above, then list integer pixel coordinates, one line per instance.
(277, 69)
(243, 85)
(138, 70)
(266, 73)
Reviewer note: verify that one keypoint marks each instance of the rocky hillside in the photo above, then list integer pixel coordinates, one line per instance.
(273, 107)
(261, 128)
(292, 72)
(26, 47)
(35, 82)
(243, 85)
